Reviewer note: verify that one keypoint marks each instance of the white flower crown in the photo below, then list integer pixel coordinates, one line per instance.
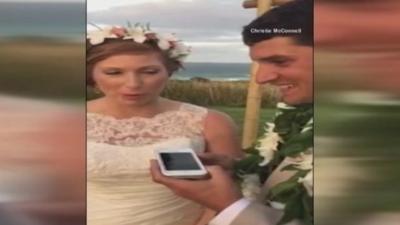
(139, 34)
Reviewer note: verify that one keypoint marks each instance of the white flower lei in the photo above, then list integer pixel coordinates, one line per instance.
(139, 34)
(268, 145)
(271, 149)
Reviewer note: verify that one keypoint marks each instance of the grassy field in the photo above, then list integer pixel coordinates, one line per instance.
(40, 68)
(212, 93)
(237, 113)
(216, 93)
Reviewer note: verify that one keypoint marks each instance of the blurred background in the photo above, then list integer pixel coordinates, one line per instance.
(357, 112)
(42, 112)
(357, 108)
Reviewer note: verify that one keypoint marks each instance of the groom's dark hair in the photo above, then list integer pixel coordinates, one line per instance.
(296, 15)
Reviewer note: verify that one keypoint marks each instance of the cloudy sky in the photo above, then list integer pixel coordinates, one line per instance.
(211, 27)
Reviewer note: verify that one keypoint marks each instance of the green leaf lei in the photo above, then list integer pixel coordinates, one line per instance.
(295, 128)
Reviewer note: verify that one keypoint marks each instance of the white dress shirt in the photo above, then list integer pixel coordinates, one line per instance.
(226, 216)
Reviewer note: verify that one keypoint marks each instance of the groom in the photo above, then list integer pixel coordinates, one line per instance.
(281, 42)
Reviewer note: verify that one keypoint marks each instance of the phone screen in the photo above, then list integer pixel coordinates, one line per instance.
(179, 161)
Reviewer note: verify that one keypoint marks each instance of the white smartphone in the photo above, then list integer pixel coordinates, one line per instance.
(180, 163)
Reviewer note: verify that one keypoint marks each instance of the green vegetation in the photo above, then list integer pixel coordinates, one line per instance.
(237, 113)
(46, 69)
(216, 93)
(212, 93)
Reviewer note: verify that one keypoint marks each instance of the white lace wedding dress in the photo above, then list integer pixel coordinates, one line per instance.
(119, 186)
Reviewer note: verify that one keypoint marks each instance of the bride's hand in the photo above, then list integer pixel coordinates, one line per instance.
(216, 193)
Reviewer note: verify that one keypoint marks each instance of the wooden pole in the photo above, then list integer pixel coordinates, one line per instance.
(254, 94)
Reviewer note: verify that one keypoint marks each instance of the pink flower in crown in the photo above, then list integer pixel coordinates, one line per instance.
(166, 41)
(139, 34)
(118, 31)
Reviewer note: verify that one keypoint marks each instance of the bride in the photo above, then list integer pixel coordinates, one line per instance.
(130, 67)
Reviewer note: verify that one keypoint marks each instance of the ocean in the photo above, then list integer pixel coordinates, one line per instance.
(214, 71)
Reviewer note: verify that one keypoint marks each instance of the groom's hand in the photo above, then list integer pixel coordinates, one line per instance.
(222, 160)
(217, 192)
